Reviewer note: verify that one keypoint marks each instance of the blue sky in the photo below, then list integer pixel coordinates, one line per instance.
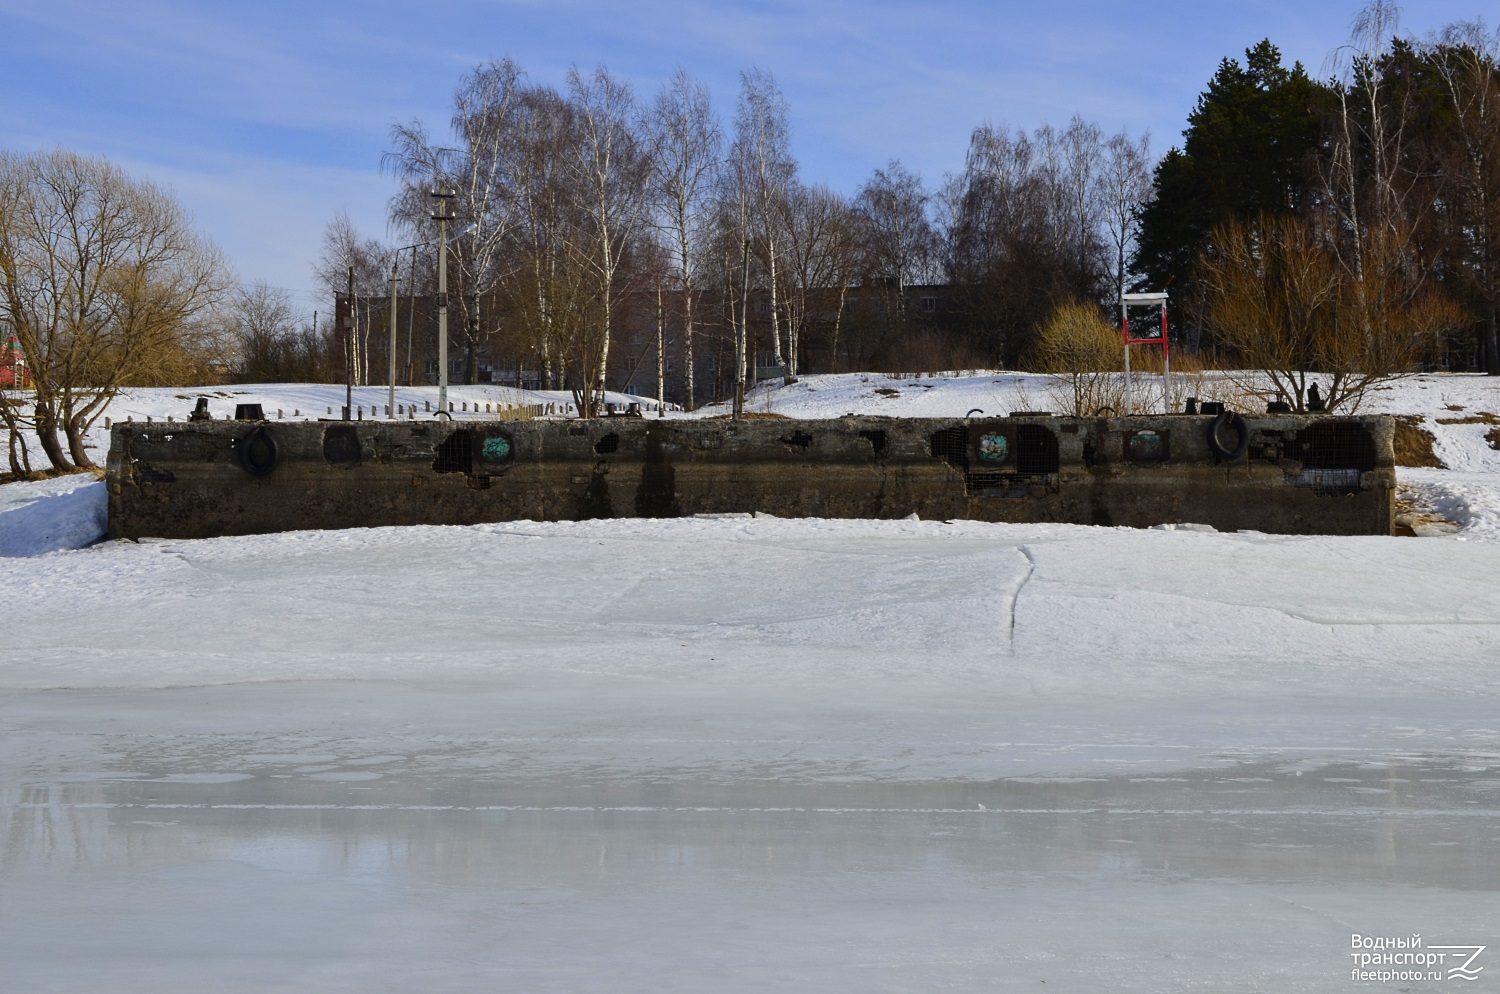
(266, 118)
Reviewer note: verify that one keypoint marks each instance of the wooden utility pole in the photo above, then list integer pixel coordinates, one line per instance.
(349, 348)
(390, 397)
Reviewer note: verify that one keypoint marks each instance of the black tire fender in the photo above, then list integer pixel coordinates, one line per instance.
(1236, 423)
(258, 452)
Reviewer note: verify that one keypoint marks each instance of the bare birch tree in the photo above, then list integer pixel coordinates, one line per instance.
(1366, 174)
(611, 183)
(345, 249)
(688, 144)
(547, 289)
(479, 171)
(821, 263)
(1080, 155)
(1016, 249)
(761, 157)
(900, 245)
(1121, 188)
(1466, 58)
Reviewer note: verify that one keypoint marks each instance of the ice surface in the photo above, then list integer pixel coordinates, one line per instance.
(744, 753)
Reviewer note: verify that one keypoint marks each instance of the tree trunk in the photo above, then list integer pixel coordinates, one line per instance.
(661, 358)
(1491, 346)
(75, 445)
(46, 433)
(20, 457)
(775, 321)
(838, 322)
(687, 338)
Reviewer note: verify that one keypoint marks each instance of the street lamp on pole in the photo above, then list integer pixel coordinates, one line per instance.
(411, 291)
(442, 216)
(390, 400)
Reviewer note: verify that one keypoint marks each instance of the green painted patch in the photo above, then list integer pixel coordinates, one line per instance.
(994, 448)
(496, 448)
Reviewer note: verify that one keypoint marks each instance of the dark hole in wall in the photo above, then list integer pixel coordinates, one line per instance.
(1334, 455)
(801, 439)
(607, 444)
(456, 453)
(1335, 445)
(1036, 451)
(952, 446)
(876, 440)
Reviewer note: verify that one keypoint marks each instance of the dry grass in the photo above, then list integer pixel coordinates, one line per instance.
(751, 416)
(1413, 444)
(1482, 418)
(49, 474)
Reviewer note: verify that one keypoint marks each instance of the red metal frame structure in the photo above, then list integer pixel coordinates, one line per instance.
(1127, 300)
(13, 371)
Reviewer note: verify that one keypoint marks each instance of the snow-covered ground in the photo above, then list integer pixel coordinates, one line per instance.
(745, 753)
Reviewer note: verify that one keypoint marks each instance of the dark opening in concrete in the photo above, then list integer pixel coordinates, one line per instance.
(1335, 445)
(952, 446)
(1334, 455)
(1036, 451)
(455, 454)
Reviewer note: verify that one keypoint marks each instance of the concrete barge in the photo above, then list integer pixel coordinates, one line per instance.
(1281, 473)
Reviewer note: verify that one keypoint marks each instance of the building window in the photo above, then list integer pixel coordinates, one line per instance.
(929, 305)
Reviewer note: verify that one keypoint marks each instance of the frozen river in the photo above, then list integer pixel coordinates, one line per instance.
(746, 754)
(325, 838)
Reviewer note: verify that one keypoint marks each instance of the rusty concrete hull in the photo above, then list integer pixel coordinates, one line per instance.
(1293, 475)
